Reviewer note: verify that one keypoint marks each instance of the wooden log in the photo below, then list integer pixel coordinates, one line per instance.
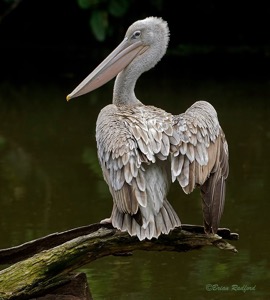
(28, 249)
(49, 268)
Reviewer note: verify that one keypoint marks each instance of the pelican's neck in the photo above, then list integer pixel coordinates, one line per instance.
(157, 38)
(123, 92)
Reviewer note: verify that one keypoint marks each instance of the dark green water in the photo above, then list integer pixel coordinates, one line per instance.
(50, 181)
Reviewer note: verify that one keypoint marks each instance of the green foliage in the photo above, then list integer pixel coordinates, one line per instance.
(2, 142)
(99, 24)
(86, 4)
(100, 13)
(89, 157)
(118, 8)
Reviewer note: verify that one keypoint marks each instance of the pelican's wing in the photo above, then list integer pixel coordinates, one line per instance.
(129, 141)
(201, 159)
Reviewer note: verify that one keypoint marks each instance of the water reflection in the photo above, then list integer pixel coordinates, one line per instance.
(20, 179)
(50, 181)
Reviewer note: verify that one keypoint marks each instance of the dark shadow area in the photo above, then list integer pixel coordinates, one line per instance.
(54, 39)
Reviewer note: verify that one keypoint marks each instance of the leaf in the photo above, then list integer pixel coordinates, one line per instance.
(89, 157)
(85, 4)
(99, 24)
(118, 8)
(2, 142)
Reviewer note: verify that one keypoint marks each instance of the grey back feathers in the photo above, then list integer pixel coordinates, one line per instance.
(142, 149)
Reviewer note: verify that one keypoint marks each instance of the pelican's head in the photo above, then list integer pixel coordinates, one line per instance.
(144, 45)
(152, 34)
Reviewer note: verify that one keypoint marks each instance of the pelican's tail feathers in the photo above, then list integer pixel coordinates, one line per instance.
(161, 223)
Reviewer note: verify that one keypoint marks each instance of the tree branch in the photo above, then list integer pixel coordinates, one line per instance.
(48, 268)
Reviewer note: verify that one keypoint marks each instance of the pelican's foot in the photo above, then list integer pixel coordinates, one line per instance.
(106, 221)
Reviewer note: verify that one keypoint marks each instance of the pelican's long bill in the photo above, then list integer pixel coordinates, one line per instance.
(109, 68)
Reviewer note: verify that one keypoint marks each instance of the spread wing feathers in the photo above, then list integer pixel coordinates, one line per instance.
(201, 159)
(132, 143)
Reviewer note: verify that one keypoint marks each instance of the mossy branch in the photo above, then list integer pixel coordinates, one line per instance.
(48, 268)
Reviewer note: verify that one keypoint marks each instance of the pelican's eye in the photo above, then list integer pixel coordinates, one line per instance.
(136, 34)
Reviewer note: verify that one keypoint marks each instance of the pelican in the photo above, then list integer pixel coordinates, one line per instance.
(142, 149)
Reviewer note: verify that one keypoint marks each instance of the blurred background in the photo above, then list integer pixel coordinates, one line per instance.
(50, 179)
(60, 38)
